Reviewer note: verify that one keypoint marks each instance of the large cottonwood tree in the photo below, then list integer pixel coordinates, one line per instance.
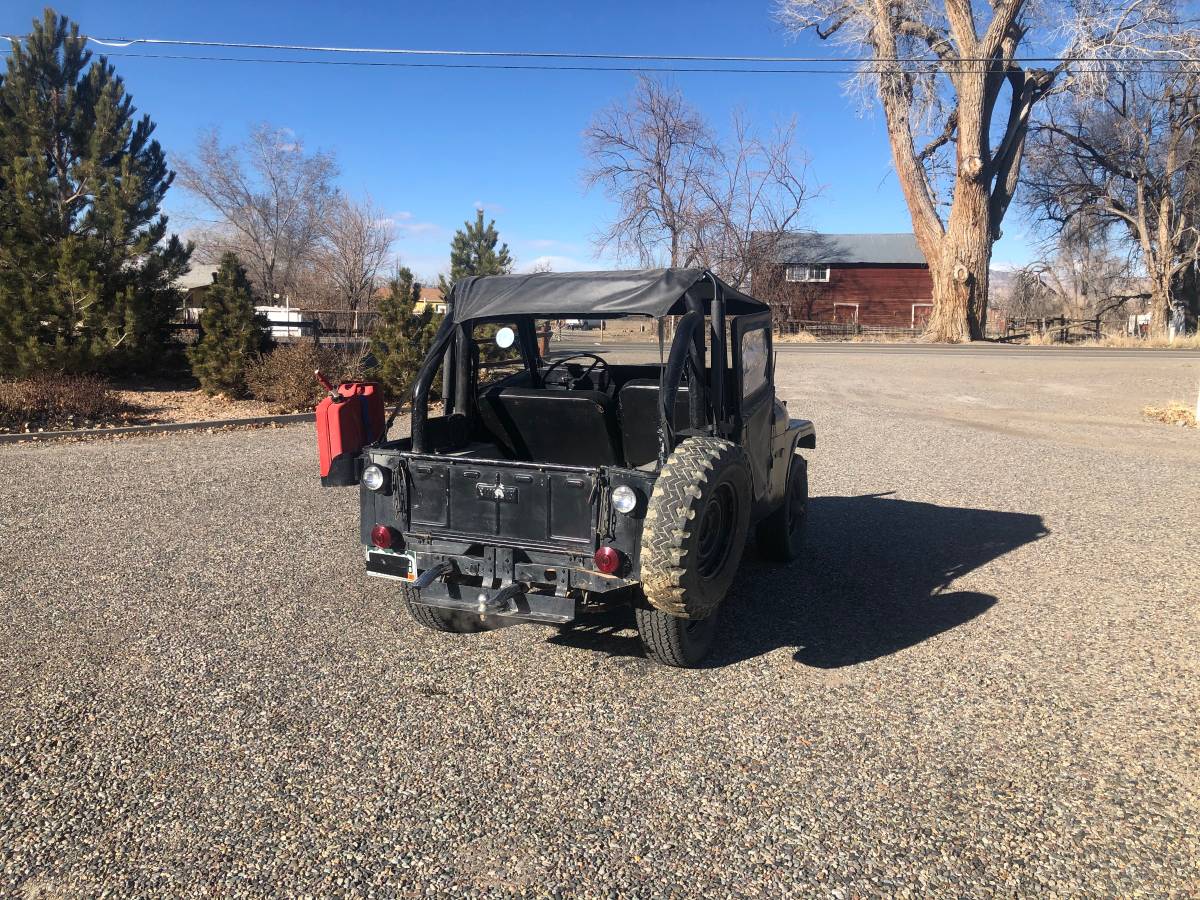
(957, 100)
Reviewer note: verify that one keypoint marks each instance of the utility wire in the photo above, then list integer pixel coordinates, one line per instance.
(122, 43)
(875, 67)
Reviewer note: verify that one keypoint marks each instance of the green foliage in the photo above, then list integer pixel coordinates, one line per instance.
(473, 252)
(230, 332)
(85, 263)
(402, 336)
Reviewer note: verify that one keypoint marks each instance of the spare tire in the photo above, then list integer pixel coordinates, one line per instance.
(695, 528)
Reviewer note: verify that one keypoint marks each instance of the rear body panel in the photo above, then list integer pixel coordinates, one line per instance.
(529, 504)
(499, 522)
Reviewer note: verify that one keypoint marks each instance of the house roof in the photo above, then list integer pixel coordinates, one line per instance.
(198, 276)
(879, 249)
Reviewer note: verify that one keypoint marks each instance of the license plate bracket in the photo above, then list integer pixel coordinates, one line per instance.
(402, 566)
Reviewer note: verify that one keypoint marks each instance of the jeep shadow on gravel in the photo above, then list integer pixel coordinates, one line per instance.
(566, 486)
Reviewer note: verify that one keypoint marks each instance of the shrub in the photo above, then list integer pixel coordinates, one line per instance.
(402, 336)
(1172, 414)
(285, 376)
(54, 401)
(230, 332)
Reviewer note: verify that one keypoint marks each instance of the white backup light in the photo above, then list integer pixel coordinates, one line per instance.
(372, 478)
(624, 499)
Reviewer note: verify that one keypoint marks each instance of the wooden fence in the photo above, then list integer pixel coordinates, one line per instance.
(1058, 329)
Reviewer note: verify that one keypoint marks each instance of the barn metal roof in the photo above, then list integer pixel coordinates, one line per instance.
(879, 249)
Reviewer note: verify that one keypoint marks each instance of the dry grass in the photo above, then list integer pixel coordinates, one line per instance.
(1185, 342)
(1119, 341)
(1172, 414)
(53, 402)
(800, 337)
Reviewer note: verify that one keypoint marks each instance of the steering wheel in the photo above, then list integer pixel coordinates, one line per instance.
(574, 377)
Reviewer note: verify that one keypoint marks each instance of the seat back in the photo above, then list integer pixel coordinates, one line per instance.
(639, 419)
(569, 428)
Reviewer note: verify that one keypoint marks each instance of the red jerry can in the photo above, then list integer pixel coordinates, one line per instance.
(347, 420)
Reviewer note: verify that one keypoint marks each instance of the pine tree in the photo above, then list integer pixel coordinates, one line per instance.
(230, 332)
(473, 252)
(85, 264)
(402, 336)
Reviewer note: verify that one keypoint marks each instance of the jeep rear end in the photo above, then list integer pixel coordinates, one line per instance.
(529, 541)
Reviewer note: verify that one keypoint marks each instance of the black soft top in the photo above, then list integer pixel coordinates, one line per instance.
(636, 292)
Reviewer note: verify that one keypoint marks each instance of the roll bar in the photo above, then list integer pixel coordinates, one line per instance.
(717, 354)
(420, 401)
(681, 348)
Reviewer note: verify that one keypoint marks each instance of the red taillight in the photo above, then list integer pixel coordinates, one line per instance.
(607, 560)
(383, 537)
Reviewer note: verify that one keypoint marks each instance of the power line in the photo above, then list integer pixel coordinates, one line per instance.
(122, 43)
(875, 68)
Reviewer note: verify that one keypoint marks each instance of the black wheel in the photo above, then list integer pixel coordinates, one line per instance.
(695, 528)
(438, 619)
(781, 534)
(673, 641)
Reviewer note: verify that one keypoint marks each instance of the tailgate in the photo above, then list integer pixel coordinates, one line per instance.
(523, 503)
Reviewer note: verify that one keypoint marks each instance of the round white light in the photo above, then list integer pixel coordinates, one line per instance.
(372, 478)
(624, 499)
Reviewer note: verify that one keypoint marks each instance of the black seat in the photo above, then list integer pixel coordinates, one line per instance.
(570, 428)
(639, 419)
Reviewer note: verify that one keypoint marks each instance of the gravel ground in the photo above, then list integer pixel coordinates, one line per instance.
(982, 679)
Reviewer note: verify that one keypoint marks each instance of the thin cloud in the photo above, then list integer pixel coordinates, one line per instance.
(555, 263)
(407, 224)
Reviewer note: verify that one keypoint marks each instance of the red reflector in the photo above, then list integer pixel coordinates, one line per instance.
(607, 560)
(382, 537)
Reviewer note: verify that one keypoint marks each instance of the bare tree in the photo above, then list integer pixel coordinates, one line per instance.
(1128, 155)
(272, 198)
(684, 197)
(947, 75)
(755, 192)
(1082, 275)
(651, 156)
(356, 241)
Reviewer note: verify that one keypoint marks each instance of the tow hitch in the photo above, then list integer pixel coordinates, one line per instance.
(486, 604)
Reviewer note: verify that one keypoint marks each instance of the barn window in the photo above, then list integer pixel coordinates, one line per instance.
(807, 273)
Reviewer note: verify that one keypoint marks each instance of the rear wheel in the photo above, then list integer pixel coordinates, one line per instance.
(781, 534)
(438, 619)
(673, 641)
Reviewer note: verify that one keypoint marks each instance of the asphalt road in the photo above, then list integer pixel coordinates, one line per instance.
(981, 680)
(914, 349)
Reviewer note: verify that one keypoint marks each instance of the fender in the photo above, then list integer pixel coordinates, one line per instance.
(800, 433)
(803, 433)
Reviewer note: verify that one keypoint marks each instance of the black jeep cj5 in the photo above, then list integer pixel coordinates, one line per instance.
(571, 485)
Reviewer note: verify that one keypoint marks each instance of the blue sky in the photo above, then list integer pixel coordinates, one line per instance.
(429, 145)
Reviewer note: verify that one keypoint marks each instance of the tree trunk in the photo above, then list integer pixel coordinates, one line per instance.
(960, 268)
(1160, 305)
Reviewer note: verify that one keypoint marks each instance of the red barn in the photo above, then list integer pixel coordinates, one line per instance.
(868, 279)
